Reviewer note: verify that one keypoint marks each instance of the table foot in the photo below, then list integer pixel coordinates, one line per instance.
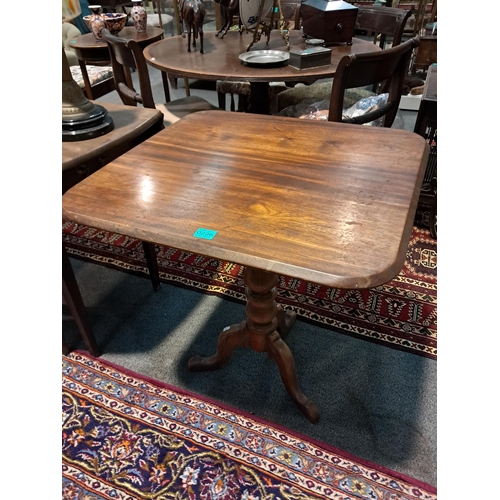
(231, 337)
(282, 356)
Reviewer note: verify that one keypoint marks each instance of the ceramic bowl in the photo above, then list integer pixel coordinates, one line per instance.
(115, 21)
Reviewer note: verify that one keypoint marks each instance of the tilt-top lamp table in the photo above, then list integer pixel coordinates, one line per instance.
(324, 202)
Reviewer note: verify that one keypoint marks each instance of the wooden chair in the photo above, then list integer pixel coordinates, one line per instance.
(126, 54)
(387, 69)
(381, 23)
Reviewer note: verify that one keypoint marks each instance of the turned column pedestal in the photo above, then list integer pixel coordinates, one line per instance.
(262, 331)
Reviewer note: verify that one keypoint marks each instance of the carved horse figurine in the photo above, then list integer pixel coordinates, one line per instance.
(192, 16)
(228, 9)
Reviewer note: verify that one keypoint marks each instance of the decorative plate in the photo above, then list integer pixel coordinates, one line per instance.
(249, 12)
(264, 58)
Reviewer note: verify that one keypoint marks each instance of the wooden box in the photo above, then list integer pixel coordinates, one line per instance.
(331, 20)
(310, 58)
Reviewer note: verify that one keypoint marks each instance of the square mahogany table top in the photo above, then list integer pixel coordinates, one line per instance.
(321, 201)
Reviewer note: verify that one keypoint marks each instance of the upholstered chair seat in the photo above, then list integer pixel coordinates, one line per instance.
(97, 74)
(317, 92)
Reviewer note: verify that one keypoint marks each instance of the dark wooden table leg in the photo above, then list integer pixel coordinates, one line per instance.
(258, 100)
(166, 88)
(260, 333)
(73, 298)
(152, 262)
(86, 80)
(231, 337)
(281, 354)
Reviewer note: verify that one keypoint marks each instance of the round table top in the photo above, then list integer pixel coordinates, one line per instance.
(220, 59)
(89, 41)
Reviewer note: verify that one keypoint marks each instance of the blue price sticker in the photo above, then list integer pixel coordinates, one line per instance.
(206, 234)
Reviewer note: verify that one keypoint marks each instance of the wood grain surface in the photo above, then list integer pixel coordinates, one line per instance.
(326, 202)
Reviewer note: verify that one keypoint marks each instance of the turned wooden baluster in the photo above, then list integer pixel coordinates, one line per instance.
(260, 332)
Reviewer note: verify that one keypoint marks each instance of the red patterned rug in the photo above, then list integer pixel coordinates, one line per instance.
(129, 437)
(401, 313)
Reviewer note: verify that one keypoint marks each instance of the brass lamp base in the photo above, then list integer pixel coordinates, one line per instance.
(87, 125)
(81, 119)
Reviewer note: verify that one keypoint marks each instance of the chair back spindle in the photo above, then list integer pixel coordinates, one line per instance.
(125, 55)
(383, 22)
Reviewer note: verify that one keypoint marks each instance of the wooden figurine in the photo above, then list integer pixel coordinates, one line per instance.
(228, 9)
(192, 16)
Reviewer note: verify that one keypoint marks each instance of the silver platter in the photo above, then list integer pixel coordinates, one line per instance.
(264, 58)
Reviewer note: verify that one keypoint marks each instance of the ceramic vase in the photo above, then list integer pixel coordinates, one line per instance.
(96, 21)
(139, 16)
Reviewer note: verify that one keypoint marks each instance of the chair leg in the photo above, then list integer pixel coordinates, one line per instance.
(232, 103)
(73, 298)
(173, 81)
(152, 262)
(165, 79)
(222, 100)
(243, 103)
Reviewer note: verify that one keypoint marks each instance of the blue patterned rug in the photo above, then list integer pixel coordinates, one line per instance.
(129, 437)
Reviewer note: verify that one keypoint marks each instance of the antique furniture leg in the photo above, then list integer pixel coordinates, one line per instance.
(86, 80)
(73, 298)
(286, 319)
(258, 100)
(152, 262)
(260, 333)
(263, 28)
(164, 77)
(283, 25)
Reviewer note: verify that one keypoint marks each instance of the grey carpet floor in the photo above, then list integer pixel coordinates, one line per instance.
(377, 403)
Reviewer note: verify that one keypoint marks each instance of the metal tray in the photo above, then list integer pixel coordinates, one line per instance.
(263, 58)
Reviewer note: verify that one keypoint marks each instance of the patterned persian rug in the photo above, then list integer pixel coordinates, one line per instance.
(401, 313)
(128, 437)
